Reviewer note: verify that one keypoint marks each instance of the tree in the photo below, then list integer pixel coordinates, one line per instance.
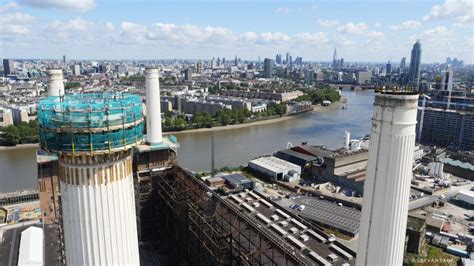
(198, 119)
(207, 119)
(224, 119)
(180, 123)
(169, 122)
(11, 136)
(280, 109)
(168, 114)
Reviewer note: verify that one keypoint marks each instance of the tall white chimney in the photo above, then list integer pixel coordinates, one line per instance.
(153, 108)
(347, 139)
(56, 85)
(387, 186)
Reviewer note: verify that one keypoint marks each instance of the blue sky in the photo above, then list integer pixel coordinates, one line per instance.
(367, 30)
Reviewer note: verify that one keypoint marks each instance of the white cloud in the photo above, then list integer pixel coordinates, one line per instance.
(75, 30)
(282, 10)
(407, 25)
(74, 5)
(15, 24)
(8, 6)
(437, 32)
(359, 28)
(329, 23)
(272, 38)
(110, 27)
(469, 41)
(451, 9)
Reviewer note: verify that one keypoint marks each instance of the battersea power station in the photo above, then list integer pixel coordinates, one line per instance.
(111, 181)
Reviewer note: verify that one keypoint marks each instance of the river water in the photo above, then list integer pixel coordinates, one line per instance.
(238, 146)
(232, 147)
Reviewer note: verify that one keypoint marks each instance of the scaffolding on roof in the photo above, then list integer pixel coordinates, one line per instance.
(90, 122)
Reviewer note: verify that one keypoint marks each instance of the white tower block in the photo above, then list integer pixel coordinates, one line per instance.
(387, 186)
(153, 108)
(56, 85)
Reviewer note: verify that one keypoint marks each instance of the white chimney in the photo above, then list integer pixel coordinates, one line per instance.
(153, 108)
(347, 139)
(387, 186)
(56, 85)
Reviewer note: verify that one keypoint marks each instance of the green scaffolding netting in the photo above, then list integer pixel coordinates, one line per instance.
(85, 122)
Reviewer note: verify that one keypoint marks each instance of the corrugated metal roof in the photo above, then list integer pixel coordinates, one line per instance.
(298, 155)
(458, 163)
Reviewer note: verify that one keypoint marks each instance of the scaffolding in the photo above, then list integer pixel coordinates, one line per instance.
(90, 122)
(198, 227)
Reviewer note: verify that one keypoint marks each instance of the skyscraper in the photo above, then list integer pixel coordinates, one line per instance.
(447, 79)
(188, 74)
(403, 65)
(64, 59)
(199, 66)
(387, 186)
(414, 74)
(77, 70)
(334, 59)
(267, 67)
(389, 68)
(8, 67)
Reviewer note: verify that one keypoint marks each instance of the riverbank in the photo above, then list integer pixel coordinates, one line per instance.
(316, 109)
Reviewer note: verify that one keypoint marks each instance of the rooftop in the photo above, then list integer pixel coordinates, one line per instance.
(308, 242)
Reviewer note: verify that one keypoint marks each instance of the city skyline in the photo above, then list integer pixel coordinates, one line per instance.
(187, 30)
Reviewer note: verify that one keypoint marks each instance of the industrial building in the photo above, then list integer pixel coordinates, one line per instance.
(308, 242)
(343, 167)
(384, 214)
(174, 216)
(327, 214)
(300, 159)
(276, 168)
(466, 196)
(238, 181)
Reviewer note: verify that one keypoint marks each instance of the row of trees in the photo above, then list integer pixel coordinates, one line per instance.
(320, 95)
(223, 117)
(19, 134)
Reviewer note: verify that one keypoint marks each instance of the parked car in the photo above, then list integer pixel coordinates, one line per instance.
(302, 207)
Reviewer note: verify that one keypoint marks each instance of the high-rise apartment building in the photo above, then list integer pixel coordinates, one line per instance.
(267, 67)
(415, 61)
(8, 67)
(403, 65)
(447, 79)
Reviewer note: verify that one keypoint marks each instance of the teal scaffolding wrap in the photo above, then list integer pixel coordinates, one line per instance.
(90, 122)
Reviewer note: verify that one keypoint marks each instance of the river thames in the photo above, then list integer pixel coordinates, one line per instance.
(238, 146)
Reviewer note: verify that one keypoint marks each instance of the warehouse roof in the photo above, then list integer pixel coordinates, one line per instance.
(300, 155)
(458, 163)
(468, 193)
(275, 164)
(236, 178)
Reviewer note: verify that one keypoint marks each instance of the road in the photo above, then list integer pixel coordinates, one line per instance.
(428, 200)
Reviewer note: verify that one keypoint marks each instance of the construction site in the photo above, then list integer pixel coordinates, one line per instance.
(92, 147)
